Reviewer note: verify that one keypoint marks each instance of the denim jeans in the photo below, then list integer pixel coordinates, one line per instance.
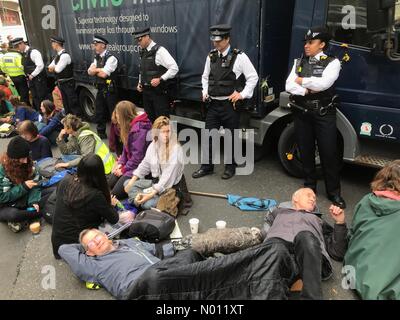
(137, 188)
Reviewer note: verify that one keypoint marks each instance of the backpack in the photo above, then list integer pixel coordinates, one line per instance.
(47, 167)
(152, 226)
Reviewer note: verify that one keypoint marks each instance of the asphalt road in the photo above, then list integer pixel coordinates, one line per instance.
(26, 261)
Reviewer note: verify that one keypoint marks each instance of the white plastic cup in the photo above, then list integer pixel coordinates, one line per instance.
(220, 225)
(194, 225)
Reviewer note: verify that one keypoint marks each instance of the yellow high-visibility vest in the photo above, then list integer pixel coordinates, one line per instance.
(101, 150)
(11, 64)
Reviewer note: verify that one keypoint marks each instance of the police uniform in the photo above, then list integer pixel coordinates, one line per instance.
(11, 65)
(224, 73)
(314, 110)
(107, 97)
(32, 61)
(64, 73)
(155, 62)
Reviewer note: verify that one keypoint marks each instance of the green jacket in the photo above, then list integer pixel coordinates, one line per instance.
(11, 194)
(374, 248)
(80, 146)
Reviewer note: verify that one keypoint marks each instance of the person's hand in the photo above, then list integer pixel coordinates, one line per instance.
(143, 198)
(117, 170)
(155, 82)
(139, 87)
(205, 97)
(114, 201)
(299, 81)
(126, 217)
(129, 186)
(235, 97)
(51, 69)
(30, 77)
(61, 166)
(36, 206)
(30, 184)
(337, 214)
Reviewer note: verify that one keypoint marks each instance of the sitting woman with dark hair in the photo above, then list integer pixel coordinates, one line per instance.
(21, 199)
(51, 125)
(23, 111)
(40, 146)
(83, 201)
(372, 257)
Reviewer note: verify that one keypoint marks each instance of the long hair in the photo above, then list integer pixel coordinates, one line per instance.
(91, 174)
(165, 149)
(49, 109)
(16, 171)
(388, 179)
(127, 112)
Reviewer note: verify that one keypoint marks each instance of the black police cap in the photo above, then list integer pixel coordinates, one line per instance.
(318, 33)
(218, 32)
(98, 39)
(57, 39)
(141, 33)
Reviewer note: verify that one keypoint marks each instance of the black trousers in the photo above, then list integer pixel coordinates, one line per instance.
(105, 105)
(311, 264)
(22, 87)
(116, 184)
(310, 128)
(39, 90)
(69, 97)
(12, 214)
(221, 114)
(156, 103)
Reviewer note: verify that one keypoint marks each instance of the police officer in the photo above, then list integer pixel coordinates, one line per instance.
(104, 69)
(311, 84)
(229, 78)
(62, 67)
(35, 72)
(11, 65)
(157, 66)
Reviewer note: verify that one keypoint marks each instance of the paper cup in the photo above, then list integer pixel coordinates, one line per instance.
(194, 225)
(35, 227)
(221, 225)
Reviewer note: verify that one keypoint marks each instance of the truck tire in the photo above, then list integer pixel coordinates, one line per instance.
(87, 101)
(287, 147)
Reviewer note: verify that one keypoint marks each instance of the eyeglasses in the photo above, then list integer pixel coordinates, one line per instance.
(94, 242)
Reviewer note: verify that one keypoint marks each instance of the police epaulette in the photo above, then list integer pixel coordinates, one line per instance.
(212, 52)
(237, 51)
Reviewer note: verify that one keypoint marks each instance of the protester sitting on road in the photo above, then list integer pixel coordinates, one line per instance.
(372, 257)
(163, 160)
(6, 109)
(134, 128)
(21, 199)
(4, 87)
(114, 140)
(51, 125)
(312, 241)
(83, 201)
(40, 146)
(23, 111)
(82, 141)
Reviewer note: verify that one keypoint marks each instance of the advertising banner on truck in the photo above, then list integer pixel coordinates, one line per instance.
(182, 26)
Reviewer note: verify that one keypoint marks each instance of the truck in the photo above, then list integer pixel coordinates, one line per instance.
(365, 34)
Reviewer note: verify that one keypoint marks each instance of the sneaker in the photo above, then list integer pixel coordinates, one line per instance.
(15, 226)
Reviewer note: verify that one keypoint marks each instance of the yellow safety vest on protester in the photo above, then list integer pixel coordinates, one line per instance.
(11, 64)
(101, 150)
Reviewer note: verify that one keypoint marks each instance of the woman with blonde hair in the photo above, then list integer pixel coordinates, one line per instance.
(164, 161)
(372, 256)
(134, 128)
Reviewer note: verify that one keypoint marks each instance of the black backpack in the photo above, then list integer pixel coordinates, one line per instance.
(152, 226)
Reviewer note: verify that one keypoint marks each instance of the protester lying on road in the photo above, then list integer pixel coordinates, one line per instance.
(21, 199)
(311, 241)
(129, 269)
(373, 258)
(82, 141)
(134, 128)
(83, 201)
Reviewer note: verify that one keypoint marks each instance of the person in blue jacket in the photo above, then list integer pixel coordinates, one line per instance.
(23, 111)
(51, 125)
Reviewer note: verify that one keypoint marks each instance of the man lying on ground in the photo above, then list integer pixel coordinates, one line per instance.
(310, 241)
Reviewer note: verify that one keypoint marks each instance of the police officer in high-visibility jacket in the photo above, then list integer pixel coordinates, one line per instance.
(311, 84)
(11, 65)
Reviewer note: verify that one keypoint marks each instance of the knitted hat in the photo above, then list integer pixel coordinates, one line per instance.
(18, 148)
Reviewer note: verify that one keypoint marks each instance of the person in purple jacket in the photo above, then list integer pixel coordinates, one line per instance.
(134, 127)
